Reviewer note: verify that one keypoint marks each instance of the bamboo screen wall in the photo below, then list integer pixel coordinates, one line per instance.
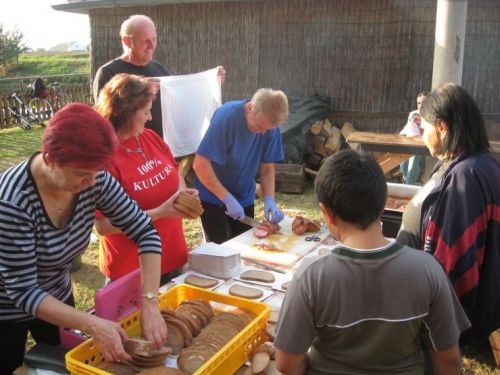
(370, 56)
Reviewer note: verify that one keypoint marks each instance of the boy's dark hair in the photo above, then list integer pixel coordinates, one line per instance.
(453, 105)
(422, 93)
(352, 185)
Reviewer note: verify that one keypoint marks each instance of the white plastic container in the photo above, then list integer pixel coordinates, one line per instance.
(402, 190)
(215, 260)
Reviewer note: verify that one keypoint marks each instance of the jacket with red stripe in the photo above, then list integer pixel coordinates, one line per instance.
(461, 225)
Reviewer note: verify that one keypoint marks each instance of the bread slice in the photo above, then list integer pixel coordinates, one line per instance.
(117, 368)
(161, 370)
(257, 275)
(273, 318)
(138, 345)
(271, 331)
(245, 291)
(202, 282)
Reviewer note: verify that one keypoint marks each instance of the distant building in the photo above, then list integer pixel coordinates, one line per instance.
(68, 47)
(75, 46)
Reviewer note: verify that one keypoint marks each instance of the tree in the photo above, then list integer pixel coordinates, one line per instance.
(11, 46)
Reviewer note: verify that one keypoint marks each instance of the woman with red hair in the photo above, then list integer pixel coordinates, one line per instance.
(47, 209)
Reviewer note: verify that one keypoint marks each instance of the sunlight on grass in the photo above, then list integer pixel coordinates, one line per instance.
(17, 144)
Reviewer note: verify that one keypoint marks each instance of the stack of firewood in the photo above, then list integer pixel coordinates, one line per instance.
(325, 138)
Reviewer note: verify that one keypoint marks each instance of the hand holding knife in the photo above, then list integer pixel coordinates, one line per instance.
(250, 222)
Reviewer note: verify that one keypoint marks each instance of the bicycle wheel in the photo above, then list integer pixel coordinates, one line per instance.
(40, 109)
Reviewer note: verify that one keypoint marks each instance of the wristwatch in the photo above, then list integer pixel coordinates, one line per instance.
(150, 296)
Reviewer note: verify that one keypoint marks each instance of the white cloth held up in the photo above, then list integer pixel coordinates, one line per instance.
(188, 103)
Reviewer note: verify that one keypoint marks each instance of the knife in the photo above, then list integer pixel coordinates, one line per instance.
(251, 222)
(264, 265)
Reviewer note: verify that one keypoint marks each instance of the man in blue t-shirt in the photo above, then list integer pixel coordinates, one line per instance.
(243, 138)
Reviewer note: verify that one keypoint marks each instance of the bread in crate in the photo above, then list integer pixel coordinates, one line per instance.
(87, 358)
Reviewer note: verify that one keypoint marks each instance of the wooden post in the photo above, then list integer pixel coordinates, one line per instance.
(449, 42)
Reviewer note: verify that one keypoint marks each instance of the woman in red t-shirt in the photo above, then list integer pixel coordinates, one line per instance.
(148, 172)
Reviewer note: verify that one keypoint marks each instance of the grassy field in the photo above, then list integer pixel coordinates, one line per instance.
(46, 64)
(88, 278)
(17, 144)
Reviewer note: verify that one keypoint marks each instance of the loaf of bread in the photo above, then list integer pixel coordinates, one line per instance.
(188, 204)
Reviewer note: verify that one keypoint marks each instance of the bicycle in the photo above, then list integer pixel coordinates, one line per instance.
(58, 96)
(50, 100)
(22, 113)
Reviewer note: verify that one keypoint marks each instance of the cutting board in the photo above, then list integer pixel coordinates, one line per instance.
(291, 247)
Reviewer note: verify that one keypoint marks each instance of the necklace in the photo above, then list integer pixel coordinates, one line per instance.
(138, 150)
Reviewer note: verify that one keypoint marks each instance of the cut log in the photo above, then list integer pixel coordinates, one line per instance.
(327, 128)
(316, 127)
(311, 172)
(319, 145)
(347, 129)
(495, 345)
(333, 143)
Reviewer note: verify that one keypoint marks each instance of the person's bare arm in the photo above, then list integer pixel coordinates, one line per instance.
(267, 179)
(107, 334)
(291, 364)
(205, 172)
(166, 210)
(152, 322)
(446, 362)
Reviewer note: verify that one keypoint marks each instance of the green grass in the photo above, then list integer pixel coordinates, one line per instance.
(46, 64)
(17, 144)
(32, 64)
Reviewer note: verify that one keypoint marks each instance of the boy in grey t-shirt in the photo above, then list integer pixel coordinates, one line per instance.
(365, 307)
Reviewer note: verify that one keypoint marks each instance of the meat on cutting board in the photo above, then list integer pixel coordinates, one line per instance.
(302, 225)
(266, 229)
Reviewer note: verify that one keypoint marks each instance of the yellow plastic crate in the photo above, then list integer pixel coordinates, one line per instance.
(84, 358)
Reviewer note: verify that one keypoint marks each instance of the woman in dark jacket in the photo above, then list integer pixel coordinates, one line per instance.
(456, 215)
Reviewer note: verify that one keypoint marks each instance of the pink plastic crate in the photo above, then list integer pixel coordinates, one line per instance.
(114, 302)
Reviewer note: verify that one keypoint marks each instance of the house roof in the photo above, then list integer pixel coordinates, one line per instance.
(83, 6)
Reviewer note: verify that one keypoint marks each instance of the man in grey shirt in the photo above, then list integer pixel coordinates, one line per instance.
(366, 307)
(139, 41)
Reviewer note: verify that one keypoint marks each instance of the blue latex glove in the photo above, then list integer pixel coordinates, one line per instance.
(271, 211)
(234, 208)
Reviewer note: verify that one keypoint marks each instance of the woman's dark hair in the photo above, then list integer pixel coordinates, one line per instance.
(352, 185)
(453, 105)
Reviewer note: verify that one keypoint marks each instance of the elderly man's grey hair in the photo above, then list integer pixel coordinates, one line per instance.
(273, 103)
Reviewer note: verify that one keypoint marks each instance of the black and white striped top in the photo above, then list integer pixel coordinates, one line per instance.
(35, 256)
